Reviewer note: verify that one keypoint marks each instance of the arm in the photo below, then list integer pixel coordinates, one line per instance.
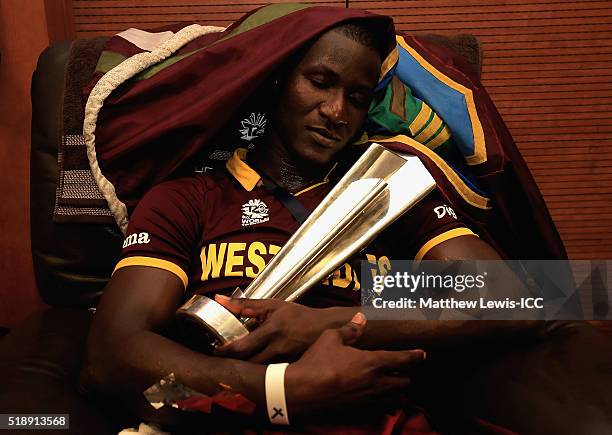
(126, 354)
(435, 334)
(287, 329)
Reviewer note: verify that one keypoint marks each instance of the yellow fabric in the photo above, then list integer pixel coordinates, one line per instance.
(389, 63)
(248, 177)
(442, 137)
(450, 234)
(421, 119)
(325, 180)
(154, 262)
(430, 130)
(241, 171)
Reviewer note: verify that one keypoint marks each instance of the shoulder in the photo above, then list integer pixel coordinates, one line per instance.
(429, 223)
(190, 189)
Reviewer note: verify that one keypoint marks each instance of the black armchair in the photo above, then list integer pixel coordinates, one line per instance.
(559, 384)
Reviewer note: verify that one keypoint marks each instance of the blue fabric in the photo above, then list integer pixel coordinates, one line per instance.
(448, 103)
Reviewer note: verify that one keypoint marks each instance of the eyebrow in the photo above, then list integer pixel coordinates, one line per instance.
(327, 70)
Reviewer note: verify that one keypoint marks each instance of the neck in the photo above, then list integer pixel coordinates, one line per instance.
(274, 160)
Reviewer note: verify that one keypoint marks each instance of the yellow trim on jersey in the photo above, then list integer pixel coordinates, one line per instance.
(389, 63)
(463, 189)
(447, 235)
(311, 187)
(248, 177)
(325, 181)
(241, 171)
(480, 151)
(154, 262)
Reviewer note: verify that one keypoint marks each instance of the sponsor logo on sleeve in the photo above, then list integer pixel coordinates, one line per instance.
(136, 239)
(443, 210)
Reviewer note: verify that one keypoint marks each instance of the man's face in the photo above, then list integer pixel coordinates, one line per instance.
(324, 100)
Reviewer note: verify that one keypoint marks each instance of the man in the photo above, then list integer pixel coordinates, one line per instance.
(185, 235)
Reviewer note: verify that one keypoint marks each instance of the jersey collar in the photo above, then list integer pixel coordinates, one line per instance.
(241, 171)
(249, 178)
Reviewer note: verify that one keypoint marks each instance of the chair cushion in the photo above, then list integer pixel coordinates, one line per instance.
(40, 361)
(72, 263)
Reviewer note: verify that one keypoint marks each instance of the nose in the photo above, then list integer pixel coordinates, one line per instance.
(333, 108)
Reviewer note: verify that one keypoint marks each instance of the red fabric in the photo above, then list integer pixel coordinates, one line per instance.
(226, 399)
(184, 105)
(196, 403)
(408, 421)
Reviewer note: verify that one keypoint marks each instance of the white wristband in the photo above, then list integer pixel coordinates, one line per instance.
(275, 394)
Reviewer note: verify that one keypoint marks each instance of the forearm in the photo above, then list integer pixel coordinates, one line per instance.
(433, 334)
(126, 366)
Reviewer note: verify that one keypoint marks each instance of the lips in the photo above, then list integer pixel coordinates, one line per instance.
(323, 136)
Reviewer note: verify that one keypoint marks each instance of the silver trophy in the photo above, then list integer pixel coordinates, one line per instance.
(379, 188)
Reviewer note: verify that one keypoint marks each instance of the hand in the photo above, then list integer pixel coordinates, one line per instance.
(331, 373)
(285, 329)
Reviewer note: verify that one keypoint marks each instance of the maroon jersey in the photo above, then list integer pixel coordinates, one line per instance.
(217, 231)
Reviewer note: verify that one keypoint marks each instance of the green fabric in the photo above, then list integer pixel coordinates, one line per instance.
(433, 136)
(152, 70)
(431, 118)
(108, 60)
(381, 115)
(264, 16)
(258, 18)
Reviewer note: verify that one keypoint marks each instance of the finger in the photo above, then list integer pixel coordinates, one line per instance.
(268, 355)
(350, 332)
(244, 307)
(247, 345)
(398, 361)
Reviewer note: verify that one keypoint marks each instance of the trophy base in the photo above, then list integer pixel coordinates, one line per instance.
(220, 323)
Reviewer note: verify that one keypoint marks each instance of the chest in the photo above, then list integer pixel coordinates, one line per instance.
(242, 231)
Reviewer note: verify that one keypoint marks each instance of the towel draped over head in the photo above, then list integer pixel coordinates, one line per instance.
(160, 101)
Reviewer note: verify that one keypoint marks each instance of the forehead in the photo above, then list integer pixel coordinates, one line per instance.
(338, 52)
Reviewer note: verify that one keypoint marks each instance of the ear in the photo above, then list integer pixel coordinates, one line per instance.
(276, 85)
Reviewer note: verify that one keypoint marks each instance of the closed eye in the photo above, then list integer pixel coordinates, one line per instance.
(320, 83)
(361, 99)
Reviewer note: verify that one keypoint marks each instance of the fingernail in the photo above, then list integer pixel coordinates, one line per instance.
(424, 356)
(359, 319)
(222, 297)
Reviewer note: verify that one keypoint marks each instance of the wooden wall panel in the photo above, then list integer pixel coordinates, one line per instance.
(547, 66)
(104, 17)
(23, 35)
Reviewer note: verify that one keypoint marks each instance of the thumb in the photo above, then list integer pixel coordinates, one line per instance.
(353, 330)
